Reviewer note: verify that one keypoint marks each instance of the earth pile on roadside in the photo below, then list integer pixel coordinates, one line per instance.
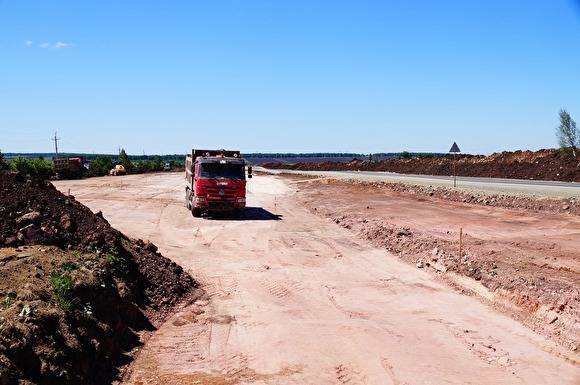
(74, 291)
(547, 164)
(524, 203)
(535, 279)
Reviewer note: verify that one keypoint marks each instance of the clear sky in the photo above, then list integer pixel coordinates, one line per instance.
(299, 76)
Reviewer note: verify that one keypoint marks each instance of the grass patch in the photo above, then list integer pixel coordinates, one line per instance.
(62, 285)
(9, 299)
(68, 267)
(117, 262)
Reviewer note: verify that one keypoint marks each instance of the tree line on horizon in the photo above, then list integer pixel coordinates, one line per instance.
(169, 157)
(100, 164)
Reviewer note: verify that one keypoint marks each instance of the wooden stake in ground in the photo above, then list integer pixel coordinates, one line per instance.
(460, 242)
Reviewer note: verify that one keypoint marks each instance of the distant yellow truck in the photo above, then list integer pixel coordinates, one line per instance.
(118, 170)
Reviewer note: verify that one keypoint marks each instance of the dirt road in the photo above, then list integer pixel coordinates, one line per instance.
(523, 261)
(295, 299)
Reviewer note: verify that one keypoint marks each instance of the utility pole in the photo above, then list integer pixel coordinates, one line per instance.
(55, 140)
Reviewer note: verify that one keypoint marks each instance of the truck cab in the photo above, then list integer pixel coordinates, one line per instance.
(216, 181)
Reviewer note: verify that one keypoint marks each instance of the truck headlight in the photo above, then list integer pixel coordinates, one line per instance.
(200, 199)
(241, 200)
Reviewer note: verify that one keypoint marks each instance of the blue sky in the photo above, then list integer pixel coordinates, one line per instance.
(302, 76)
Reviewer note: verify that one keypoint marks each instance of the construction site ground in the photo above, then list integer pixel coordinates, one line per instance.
(301, 290)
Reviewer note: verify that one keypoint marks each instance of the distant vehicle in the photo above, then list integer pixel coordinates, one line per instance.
(66, 168)
(118, 170)
(167, 166)
(216, 181)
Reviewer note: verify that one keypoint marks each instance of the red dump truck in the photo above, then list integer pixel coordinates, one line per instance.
(68, 168)
(216, 181)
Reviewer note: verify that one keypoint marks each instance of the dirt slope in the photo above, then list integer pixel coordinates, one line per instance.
(539, 165)
(74, 291)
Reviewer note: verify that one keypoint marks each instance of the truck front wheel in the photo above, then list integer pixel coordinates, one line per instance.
(196, 212)
(187, 200)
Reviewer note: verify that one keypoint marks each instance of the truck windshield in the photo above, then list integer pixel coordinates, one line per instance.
(222, 171)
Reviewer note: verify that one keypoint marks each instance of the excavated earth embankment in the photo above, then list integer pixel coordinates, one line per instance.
(549, 164)
(74, 292)
(519, 254)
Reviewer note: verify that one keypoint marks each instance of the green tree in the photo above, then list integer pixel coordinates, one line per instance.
(177, 164)
(3, 164)
(157, 164)
(34, 167)
(22, 165)
(100, 166)
(42, 167)
(125, 161)
(567, 133)
(140, 166)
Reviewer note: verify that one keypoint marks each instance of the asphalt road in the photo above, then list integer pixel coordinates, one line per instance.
(493, 185)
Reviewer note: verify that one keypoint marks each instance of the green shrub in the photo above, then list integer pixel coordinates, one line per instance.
(3, 164)
(100, 166)
(116, 262)
(157, 164)
(68, 267)
(406, 155)
(177, 163)
(62, 285)
(9, 299)
(22, 165)
(126, 162)
(43, 168)
(34, 167)
(147, 165)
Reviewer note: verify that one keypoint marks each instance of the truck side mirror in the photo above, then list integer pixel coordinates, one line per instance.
(249, 172)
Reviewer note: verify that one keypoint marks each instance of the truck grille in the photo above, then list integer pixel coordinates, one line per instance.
(227, 194)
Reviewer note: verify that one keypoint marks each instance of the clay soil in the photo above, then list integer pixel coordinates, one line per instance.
(293, 297)
(74, 292)
(521, 260)
(539, 165)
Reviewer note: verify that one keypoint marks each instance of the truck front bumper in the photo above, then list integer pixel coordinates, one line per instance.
(219, 204)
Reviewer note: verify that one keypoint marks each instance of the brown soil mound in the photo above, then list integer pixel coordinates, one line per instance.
(540, 165)
(70, 305)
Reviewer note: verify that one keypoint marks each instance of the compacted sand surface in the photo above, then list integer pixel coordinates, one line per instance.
(294, 298)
